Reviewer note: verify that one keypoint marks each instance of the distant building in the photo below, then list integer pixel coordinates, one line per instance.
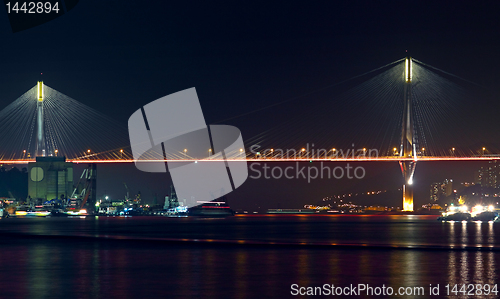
(489, 176)
(441, 189)
(50, 178)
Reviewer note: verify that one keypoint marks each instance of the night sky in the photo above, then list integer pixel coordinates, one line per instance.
(116, 56)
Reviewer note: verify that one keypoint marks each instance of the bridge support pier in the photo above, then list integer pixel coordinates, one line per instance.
(407, 169)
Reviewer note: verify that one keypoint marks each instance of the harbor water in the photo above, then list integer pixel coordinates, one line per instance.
(251, 256)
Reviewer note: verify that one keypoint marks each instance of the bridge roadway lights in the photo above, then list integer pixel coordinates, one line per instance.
(381, 159)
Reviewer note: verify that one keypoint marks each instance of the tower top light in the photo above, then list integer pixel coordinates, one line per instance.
(408, 69)
(40, 91)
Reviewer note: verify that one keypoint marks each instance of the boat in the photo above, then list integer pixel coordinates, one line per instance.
(458, 216)
(483, 213)
(38, 211)
(462, 213)
(455, 213)
(76, 212)
(211, 209)
(486, 216)
(177, 211)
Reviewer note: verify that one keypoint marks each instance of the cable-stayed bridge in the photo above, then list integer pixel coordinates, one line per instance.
(403, 112)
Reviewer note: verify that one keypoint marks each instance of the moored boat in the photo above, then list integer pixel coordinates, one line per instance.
(462, 213)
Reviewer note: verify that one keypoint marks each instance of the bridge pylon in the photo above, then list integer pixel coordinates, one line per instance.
(40, 136)
(408, 144)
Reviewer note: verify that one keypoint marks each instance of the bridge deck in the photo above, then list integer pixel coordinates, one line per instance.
(356, 159)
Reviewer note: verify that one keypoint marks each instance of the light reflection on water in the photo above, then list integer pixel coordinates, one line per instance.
(36, 267)
(109, 270)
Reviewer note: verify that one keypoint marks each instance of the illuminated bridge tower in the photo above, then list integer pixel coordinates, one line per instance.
(408, 146)
(40, 137)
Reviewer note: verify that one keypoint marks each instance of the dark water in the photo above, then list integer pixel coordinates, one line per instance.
(240, 257)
